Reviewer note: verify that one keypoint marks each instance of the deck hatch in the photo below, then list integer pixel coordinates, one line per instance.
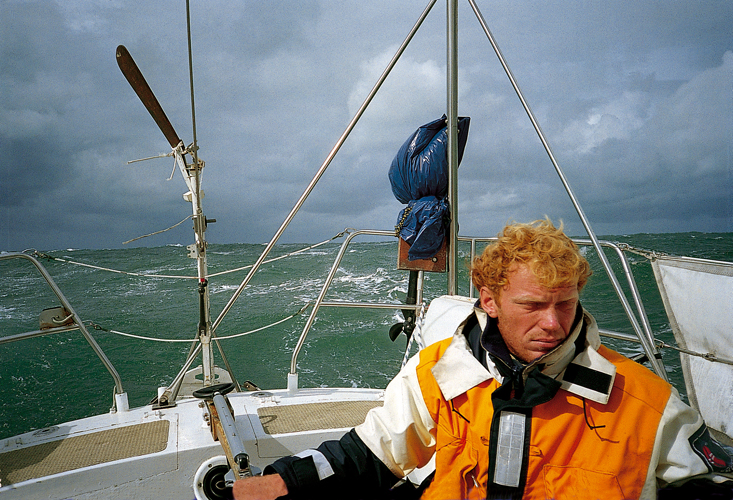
(313, 416)
(86, 450)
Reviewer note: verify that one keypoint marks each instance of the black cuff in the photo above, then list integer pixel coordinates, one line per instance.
(299, 474)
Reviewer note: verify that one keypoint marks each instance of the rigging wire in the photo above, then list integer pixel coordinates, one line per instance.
(157, 232)
(188, 341)
(42, 255)
(706, 355)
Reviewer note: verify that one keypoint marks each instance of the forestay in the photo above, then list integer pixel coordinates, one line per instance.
(698, 297)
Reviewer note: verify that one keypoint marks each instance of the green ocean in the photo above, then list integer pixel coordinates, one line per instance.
(52, 379)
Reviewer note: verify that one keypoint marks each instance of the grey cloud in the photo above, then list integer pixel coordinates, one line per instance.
(632, 97)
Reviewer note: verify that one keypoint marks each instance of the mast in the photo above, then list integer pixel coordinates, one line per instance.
(192, 173)
(198, 249)
(452, 85)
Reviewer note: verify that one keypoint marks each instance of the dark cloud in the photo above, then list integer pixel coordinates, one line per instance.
(634, 98)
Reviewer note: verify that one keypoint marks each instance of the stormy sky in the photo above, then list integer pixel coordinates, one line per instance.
(635, 98)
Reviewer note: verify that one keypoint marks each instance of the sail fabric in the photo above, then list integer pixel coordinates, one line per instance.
(698, 298)
(419, 177)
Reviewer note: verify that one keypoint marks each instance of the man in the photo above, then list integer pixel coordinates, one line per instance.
(522, 401)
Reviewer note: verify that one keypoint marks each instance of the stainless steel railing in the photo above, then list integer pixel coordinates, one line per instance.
(119, 402)
(639, 320)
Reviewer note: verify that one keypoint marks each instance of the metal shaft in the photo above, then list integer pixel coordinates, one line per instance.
(452, 85)
(233, 444)
(323, 168)
(650, 349)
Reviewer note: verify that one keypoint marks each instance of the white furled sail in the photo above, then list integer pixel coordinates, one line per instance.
(698, 297)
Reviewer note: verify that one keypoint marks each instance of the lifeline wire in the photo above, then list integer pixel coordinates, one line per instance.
(188, 341)
(128, 273)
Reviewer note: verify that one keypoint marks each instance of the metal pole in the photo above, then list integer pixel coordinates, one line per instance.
(237, 455)
(656, 363)
(78, 323)
(452, 85)
(324, 166)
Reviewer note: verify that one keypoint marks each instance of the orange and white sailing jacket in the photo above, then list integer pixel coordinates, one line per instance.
(612, 430)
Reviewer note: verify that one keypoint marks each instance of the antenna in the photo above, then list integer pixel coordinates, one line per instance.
(195, 148)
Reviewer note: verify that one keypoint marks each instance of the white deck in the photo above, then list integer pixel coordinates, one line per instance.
(272, 424)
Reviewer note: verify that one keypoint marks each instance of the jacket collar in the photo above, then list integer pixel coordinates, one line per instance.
(586, 374)
(458, 359)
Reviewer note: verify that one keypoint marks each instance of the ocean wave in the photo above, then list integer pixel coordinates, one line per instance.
(335, 352)
(7, 312)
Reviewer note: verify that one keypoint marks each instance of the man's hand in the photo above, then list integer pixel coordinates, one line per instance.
(267, 487)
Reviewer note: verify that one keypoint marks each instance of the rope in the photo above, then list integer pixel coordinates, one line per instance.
(188, 341)
(416, 335)
(417, 332)
(339, 235)
(401, 223)
(647, 254)
(42, 255)
(140, 337)
(100, 268)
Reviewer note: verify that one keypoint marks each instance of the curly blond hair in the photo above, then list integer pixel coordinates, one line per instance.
(551, 256)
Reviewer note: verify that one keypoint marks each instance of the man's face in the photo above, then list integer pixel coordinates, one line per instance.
(532, 319)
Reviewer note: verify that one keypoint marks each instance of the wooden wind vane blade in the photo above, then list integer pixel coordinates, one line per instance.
(142, 89)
